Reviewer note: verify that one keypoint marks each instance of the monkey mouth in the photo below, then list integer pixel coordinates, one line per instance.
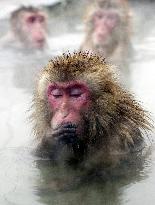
(69, 125)
(40, 43)
(69, 135)
(66, 125)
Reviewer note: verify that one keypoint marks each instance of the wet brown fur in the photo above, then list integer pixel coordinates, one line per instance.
(115, 121)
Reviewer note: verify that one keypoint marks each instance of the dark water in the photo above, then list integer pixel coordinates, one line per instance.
(26, 179)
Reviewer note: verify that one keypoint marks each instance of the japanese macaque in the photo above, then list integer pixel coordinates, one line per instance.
(83, 116)
(28, 29)
(27, 42)
(108, 32)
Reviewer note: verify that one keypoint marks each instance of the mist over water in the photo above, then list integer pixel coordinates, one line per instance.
(26, 179)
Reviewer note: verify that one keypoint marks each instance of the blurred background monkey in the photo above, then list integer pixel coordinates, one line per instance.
(108, 33)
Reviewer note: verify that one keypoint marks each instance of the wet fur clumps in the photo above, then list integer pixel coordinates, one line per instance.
(115, 123)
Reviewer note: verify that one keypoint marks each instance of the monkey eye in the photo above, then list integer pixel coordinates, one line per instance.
(98, 15)
(31, 19)
(56, 93)
(76, 92)
(41, 19)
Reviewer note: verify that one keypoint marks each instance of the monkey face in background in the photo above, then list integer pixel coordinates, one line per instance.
(105, 23)
(29, 25)
(34, 28)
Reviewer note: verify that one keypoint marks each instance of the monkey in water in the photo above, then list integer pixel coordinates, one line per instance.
(82, 116)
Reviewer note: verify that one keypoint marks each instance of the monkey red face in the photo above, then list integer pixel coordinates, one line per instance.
(68, 101)
(34, 27)
(104, 22)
